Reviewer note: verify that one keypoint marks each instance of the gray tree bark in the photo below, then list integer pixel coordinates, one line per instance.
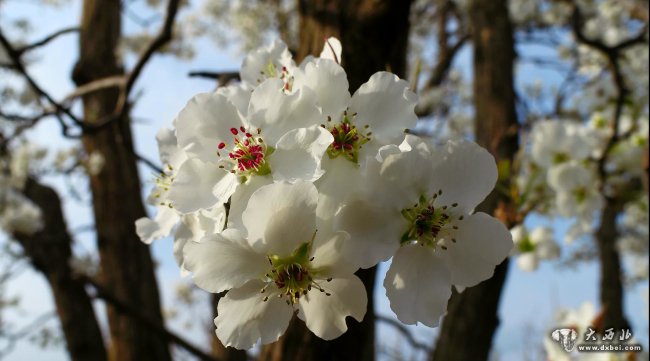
(468, 329)
(127, 270)
(49, 250)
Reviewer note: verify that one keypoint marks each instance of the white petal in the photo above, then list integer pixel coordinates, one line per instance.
(276, 113)
(341, 179)
(181, 237)
(150, 230)
(256, 65)
(299, 153)
(238, 95)
(519, 233)
(193, 227)
(374, 232)
(329, 83)
(239, 200)
(482, 242)
(170, 153)
(466, 176)
(397, 190)
(199, 224)
(567, 177)
(328, 255)
(547, 250)
(200, 185)
(223, 261)
(387, 105)
(332, 50)
(205, 122)
(244, 318)
(325, 315)
(528, 261)
(279, 217)
(409, 143)
(418, 285)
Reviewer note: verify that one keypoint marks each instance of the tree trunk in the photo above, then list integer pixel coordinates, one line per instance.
(467, 330)
(127, 270)
(611, 275)
(374, 35)
(49, 250)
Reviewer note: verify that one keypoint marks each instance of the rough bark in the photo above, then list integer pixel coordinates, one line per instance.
(472, 315)
(611, 275)
(49, 250)
(374, 35)
(126, 266)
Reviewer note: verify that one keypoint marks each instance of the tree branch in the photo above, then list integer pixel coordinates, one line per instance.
(46, 40)
(14, 56)
(405, 332)
(123, 307)
(613, 55)
(222, 78)
(96, 85)
(163, 37)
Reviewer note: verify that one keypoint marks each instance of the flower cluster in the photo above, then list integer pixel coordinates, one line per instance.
(18, 214)
(559, 176)
(280, 187)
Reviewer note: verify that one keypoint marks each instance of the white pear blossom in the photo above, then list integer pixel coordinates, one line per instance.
(166, 218)
(532, 247)
(555, 142)
(94, 163)
(376, 115)
(24, 161)
(278, 139)
(425, 217)
(192, 226)
(281, 265)
(271, 61)
(577, 191)
(18, 214)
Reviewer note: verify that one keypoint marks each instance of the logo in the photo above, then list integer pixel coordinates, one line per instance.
(594, 341)
(566, 337)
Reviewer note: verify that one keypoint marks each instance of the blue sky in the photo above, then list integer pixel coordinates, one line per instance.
(529, 300)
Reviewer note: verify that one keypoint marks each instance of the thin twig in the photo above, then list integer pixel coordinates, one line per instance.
(14, 56)
(222, 78)
(148, 163)
(46, 40)
(404, 331)
(163, 37)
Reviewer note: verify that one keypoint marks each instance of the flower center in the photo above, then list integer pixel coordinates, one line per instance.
(272, 72)
(428, 223)
(348, 140)
(580, 194)
(163, 182)
(559, 158)
(526, 245)
(293, 275)
(248, 154)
